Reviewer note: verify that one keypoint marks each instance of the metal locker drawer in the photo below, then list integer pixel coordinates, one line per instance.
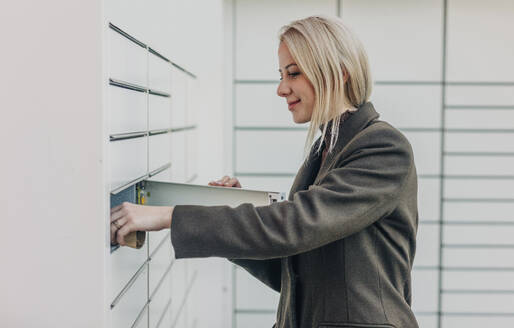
(159, 74)
(159, 112)
(160, 302)
(128, 61)
(127, 110)
(125, 262)
(159, 263)
(128, 160)
(131, 304)
(159, 151)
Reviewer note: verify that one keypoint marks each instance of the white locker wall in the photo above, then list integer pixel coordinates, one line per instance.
(443, 76)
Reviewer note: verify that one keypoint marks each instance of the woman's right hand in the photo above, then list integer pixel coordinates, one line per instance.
(226, 181)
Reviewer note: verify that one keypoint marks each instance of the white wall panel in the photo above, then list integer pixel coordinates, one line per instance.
(178, 156)
(130, 305)
(191, 153)
(128, 160)
(403, 38)
(159, 150)
(159, 112)
(479, 95)
(476, 321)
(128, 110)
(257, 38)
(158, 265)
(479, 234)
(125, 262)
(425, 287)
(487, 60)
(263, 151)
(478, 188)
(479, 165)
(478, 280)
(159, 74)
(471, 303)
(128, 61)
(255, 320)
(428, 199)
(478, 211)
(253, 294)
(427, 245)
(259, 105)
(480, 119)
(427, 151)
(427, 321)
(479, 142)
(479, 257)
(178, 98)
(412, 106)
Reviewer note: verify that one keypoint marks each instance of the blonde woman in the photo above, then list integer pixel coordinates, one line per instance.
(340, 250)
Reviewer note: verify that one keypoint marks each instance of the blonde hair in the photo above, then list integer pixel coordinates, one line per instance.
(324, 48)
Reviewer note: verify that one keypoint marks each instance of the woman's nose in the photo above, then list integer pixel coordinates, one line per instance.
(283, 90)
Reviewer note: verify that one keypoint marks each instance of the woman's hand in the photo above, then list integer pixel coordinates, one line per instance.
(129, 217)
(226, 181)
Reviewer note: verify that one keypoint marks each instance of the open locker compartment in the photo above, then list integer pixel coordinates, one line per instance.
(179, 283)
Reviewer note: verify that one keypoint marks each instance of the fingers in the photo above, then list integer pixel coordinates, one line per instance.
(226, 181)
(124, 231)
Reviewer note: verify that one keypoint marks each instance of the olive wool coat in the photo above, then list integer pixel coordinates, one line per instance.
(340, 250)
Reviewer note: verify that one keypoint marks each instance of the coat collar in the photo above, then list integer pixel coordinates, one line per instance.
(309, 173)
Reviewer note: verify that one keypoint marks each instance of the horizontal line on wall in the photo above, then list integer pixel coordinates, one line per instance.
(138, 88)
(479, 177)
(446, 222)
(503, 269)
(464, 269)
(129, 135)
(479, 107)
(481, 83)
(425, 313)
(269, 128)
(429, 176)
(488, 154)
(476, 291)
(478, 200)
(254, 311)
(504, 246)
(277, 81)
(429, 222)
(270, 175)
(477, 314)
(408, 82)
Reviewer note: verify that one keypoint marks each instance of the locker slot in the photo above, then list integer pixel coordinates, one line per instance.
(125, 136)
(127, 85)
(159, 170)
(126, 35)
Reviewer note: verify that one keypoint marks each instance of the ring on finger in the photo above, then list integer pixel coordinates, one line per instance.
(116, 224)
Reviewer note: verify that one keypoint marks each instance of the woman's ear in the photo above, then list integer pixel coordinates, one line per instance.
(345, 75)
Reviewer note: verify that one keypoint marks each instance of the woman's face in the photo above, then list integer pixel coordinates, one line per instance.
(294, 87)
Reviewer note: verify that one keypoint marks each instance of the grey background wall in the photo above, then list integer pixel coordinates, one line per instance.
(444, 76)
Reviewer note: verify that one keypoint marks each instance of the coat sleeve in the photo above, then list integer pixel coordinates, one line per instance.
(364, 186)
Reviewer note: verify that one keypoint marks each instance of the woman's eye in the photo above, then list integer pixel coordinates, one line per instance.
(294, 74)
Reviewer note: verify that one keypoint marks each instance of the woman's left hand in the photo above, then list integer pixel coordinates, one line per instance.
(129, 217)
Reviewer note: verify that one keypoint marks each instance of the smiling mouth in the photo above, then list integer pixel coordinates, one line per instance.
(292, 104)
